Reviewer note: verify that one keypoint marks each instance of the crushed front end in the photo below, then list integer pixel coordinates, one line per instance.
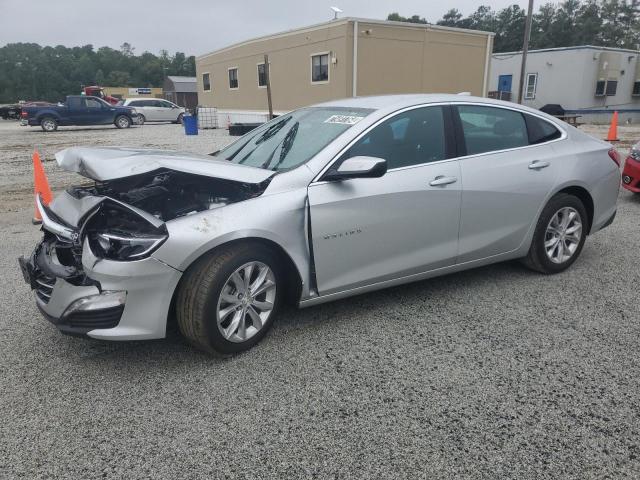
(96, 279)
(94, 273)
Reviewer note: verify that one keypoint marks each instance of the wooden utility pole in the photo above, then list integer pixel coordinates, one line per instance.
(268, 80)
(525, 49)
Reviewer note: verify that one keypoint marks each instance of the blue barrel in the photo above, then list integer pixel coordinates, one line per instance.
(190, 125)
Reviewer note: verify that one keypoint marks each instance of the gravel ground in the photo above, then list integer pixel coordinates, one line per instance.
(493, 373)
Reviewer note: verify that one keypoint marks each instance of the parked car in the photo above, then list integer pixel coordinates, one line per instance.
(79, 110)
(631, 171)
(318, 204)
(156, 110)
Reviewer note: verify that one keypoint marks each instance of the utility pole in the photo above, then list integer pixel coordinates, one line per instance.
(525, 49)
(267, 78)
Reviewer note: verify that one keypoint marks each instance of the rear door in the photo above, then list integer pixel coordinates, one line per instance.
(370, 230)
(508, 170)
(144, 107)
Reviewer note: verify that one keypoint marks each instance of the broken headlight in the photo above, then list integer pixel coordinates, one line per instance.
(117, 233)
(117, 246)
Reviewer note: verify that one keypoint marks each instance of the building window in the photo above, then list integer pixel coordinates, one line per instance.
(600, 88)
(636, 88)
(233, 78)
(262, 75)
(532, 83)
(206, 82)
(612, 86)
(320, 67)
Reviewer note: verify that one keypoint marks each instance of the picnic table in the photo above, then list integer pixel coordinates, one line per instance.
(570, 119)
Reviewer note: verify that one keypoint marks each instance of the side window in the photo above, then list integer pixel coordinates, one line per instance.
(135, 103)
(75, 102)
(409, 138)
(93, 103)
(540, 130)
(320, 68)
(488, 129)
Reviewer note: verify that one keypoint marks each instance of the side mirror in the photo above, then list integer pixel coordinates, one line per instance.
(358, 167)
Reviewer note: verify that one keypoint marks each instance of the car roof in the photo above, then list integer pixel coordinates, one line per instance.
(144, 98)
(384, 102)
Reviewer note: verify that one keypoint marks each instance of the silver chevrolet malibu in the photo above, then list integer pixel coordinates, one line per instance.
(322, 203)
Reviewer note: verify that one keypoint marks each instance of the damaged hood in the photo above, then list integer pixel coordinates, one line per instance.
(103, 164)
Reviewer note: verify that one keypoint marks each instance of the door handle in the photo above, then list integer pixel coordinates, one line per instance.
(441, 180)
(538, 165)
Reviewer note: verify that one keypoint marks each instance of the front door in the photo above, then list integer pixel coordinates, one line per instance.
(97, 112)
(370, 230)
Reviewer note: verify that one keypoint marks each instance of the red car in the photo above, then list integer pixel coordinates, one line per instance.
(631, 172)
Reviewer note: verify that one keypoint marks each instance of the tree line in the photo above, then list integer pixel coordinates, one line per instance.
(606, 23)
(29, 71)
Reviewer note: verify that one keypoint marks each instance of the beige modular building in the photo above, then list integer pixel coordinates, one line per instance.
(344, 58)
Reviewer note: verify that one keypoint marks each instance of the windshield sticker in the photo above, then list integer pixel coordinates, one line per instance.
(343, 119)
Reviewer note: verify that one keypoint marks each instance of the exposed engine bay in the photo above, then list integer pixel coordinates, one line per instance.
(123, 219)
(168, 194)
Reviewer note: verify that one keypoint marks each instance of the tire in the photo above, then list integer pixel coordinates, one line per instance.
(180, 119)
(208, 286)
(49, 124)
(547, 256)
(141, 119)
(122, 121)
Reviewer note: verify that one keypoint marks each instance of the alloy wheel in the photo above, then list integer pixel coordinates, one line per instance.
(563, 235)
(246, 302)
(48, 125)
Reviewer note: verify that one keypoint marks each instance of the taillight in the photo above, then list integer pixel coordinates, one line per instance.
(24, 114)
(613, 154)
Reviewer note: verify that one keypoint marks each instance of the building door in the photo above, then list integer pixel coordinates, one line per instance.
(504, 83)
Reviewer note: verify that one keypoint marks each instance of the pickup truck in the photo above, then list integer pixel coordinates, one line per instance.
(79, 110)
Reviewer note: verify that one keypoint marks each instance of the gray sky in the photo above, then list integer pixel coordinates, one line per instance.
(191, 26)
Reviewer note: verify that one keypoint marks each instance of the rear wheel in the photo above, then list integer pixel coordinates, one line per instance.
(49, 124)
(123, 121)
(228, 299)
(559, 236)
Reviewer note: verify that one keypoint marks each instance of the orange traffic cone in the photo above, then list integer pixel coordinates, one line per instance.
(613, 129)
(40, 185)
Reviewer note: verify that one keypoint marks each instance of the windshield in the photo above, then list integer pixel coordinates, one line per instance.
(292, 139)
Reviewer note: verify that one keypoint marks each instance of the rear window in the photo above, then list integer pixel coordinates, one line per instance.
(540, 130)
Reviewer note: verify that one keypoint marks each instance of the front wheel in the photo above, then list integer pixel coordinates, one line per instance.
(180, 119)
(123, 121)
(141, 119)
(559, 236)
(49, 124)
(228, 299)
